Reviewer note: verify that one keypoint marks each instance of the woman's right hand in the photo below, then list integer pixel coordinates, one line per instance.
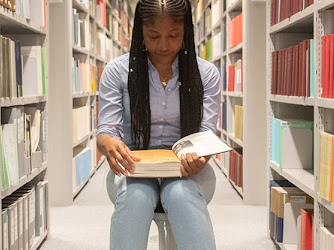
(116, 151)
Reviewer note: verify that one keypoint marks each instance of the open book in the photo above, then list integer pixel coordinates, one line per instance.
(166, 163)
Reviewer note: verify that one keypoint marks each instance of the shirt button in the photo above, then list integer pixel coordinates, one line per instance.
(162, 119)
(161, 126)
(163, 103)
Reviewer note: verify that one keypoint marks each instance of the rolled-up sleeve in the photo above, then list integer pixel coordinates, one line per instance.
(110, 103)
(211, 98)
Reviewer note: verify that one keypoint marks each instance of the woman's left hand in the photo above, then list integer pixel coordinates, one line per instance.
(192, 164)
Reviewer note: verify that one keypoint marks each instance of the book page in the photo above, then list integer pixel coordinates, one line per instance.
(156, 156)
(201, 143)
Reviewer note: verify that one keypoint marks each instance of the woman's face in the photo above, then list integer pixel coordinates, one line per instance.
(163, 38)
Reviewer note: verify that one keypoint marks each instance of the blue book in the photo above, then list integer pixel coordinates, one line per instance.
(18, 65)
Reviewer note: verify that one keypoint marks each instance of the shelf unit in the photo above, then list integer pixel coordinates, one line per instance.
(310, 20)
(66, 96)
(253, 96)
(29, 33)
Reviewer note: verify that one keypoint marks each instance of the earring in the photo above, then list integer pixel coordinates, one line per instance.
(183, 47)
(143, 47)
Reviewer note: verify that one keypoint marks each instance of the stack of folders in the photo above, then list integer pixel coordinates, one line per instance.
(24, 216)
(291, 216)
(292, 143)
(23, 143)
(24, 70)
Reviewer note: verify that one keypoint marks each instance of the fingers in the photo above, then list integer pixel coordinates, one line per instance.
(192, 164)
(114, 166)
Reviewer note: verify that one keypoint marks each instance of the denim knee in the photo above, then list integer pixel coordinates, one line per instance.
(179, 192)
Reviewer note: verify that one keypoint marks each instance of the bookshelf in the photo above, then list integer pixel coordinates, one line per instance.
(24, 36)
(212, 21)
(313, 22)
(95, 32)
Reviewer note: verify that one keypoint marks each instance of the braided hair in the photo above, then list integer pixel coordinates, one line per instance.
(191, 88)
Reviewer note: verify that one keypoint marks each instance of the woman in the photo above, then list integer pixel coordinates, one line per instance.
(150, 98)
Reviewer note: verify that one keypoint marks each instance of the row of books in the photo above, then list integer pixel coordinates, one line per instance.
(34, 10)
(86, 76)
(235, 167)
(101, 12)
(238, 122)
(222, 122)
(22, 69)
(327, 66)
(326, 181)
(205, 50)
(81, 165)
(326, 238)
(292, 143)
(235, 31)
(235, 77)
(25, 216)
(293, 70)
(22, 143)
(283, 9)
(80, 29)
(291, 215)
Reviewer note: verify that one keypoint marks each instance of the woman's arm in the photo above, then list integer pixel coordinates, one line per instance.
(110, 127)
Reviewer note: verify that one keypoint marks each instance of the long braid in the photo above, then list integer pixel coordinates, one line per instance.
(191, 88)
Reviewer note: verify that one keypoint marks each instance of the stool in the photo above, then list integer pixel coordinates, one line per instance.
(166, 237)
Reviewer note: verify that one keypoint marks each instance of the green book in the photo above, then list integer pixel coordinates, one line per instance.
(4, 171)
(43, 70)
(209, 49)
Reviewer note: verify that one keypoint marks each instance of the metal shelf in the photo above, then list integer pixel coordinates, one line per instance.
(77, 143)
(14, 24)
(19, 101)
(24, 180)
(298, 100)
(237, 6)
(300, 19)
(325, 103)
(303, 179)
(325, 4)
(237, 141)
(236, 49)
(80, 50)
(77, 5)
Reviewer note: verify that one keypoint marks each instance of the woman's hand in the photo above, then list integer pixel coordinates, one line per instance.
(116, 151)
(192, 164)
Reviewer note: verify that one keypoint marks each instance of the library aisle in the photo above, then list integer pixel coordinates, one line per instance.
(85, 224)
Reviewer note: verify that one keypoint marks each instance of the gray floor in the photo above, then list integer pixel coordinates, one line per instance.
(85, 224)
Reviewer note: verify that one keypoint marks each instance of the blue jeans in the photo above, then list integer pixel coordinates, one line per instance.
(183, 199)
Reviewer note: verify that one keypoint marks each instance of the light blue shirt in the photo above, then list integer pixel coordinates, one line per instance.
(114, 103)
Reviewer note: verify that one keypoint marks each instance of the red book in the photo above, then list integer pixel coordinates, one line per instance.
(289, 72)
(231, 72)
(274, 73)
(306, 226)
(279, 72)
(286, 69)
(293, 74)
(331, 67)
(327, 64)
(308, 56)
(323, 65)
(272, 9)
